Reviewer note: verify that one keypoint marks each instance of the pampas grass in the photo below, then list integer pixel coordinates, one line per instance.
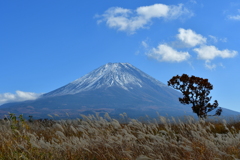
(94, 137)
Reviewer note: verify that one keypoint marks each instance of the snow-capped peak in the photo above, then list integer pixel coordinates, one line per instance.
(122, 75)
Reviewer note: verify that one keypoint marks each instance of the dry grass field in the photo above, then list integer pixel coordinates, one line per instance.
(104, 138)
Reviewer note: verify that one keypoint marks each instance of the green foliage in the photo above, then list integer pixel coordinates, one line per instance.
(17, 122)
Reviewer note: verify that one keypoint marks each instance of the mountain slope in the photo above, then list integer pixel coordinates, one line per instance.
(119, 86)
(114, 88)
(122, 75)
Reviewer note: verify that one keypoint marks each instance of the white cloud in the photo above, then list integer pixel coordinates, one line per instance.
(176, 12)
(210, 66)
(187, 39)
(236, 17)
(131, 20)
(220, 64)
(223, 39)
(190, 38)
(18, 96)
(193, 1)
(144, 44)
(210, 52)
(216, 39)
(166, 53)
(153, 11)
(191, 65)
(137, 52)
(213, 38)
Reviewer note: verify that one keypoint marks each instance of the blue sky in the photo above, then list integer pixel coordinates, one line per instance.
(47, 44)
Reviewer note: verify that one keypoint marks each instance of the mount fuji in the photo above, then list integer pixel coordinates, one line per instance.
(113, 88)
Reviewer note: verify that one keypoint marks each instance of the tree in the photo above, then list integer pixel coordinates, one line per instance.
(195, 91)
